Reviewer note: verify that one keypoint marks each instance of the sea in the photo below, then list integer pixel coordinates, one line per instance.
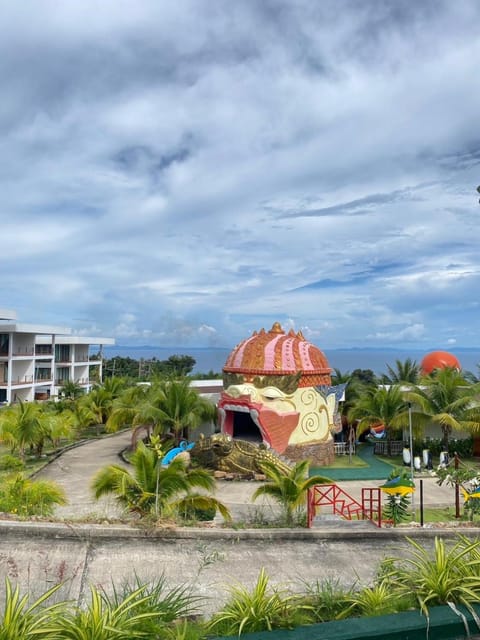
(346, 360)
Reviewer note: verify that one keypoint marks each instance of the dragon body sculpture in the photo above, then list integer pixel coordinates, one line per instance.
(224, 453)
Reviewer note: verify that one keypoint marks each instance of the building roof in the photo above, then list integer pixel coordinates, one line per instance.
(75, 340)
(7, 314)
(20, 327)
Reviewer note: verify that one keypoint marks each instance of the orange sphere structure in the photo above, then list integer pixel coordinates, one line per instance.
(439, 360)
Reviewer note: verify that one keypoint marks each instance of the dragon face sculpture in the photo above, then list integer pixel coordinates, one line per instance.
(281, 384)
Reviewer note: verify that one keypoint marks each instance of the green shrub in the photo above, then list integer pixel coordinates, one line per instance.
(261, 609)
(8, 462)
(463, 446)
(26, 497)
(197, 514)
(327, 599)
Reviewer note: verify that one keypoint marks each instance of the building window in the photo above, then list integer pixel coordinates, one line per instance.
(4, 344)
(62, 352)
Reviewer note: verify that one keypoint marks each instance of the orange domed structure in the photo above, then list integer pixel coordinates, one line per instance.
(276, 353)
(439, 360)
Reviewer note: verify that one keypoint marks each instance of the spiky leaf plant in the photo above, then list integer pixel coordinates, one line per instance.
(262, 609)
(442, 576)
(22, 620)
(327, 599)
(104, 618)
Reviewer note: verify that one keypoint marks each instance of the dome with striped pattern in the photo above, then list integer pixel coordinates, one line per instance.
(278, 353)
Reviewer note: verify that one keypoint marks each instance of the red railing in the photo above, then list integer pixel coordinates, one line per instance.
(342, 504)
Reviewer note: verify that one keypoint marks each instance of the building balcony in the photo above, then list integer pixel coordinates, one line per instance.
(43, 350)
(20, 380)
(41, 380)
(80, 381)
(23, 352)
(63, 361)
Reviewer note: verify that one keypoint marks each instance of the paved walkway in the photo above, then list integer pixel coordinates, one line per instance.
(75, 469)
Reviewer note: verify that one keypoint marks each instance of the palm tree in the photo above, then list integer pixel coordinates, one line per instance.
(182, 408)
(21, 426)
(168, 407)
(289, 489)
(405, 372)
(381, 405)
(135, 408)
(99, 403)
(156, 489)
(447, 399)
(71, 390)
(114, 386)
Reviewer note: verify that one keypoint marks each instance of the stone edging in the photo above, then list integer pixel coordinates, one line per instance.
(66, 530)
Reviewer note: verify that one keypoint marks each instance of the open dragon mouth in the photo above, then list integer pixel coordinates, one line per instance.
(275, 427)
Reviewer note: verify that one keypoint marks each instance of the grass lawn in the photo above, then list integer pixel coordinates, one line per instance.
(345, 462)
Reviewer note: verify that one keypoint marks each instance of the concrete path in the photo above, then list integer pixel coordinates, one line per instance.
(75, 469)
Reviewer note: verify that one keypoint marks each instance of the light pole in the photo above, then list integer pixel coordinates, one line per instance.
(411, 454)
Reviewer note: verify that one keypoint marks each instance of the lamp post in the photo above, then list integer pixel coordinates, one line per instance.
(411, 453)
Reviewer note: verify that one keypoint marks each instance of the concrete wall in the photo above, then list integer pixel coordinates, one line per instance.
(38, 556)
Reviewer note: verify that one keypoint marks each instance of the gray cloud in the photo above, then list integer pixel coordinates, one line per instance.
(190, 172)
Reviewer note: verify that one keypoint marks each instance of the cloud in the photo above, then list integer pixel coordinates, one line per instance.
(177, 176)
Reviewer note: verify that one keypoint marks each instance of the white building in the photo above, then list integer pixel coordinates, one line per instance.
(37, 360)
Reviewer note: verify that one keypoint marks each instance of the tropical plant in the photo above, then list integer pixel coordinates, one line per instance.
(98, 403)
(376, 600)
(71, 390)
(27, 497)
(156, 489)
(446, 575)
(447, 399)
(24, 621)
(167, 408)
(22, 425)
(396, 507)
(104, 618)
(288, 489)
(261, 609)
(114, 386)
(9, 462)
(327, 599)
(182, 408)
(380, 405)
(169, 605)
(404, 372)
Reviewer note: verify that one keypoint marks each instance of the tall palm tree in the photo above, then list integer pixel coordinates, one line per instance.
(448, 399)
(381, 405)
(156, 489)
(404, 372)
(289, 489)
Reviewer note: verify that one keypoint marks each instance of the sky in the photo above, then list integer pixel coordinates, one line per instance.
(186, 172)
